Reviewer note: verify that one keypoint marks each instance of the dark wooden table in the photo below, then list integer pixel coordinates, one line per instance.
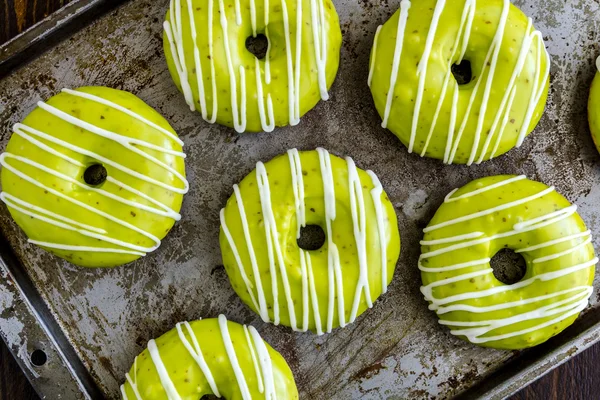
(577, 379)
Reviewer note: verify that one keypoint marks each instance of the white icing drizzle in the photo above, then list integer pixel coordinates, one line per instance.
(305, 289)
(489, 211)
(598, 64)
(266, 126)
(64, 222)
(422, 69)
(163, 374)
(374, 57)
(333, 256)
(259, 353)
(298, 187)
(127, 111)
(404, 7)
(334, 272)
(196, 353)
(359, 224)
(266, 364)
(476, 331)
(272, 238)
(261, 386)
(313, 295)
(319, 30)
(490, 64)
(174, 32)
(292, 89)
(450, 199)
(132, 383)
(235, 364)
(376, 194)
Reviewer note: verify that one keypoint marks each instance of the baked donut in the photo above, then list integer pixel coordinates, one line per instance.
(317, 289)
(209, 357)
(205, 47)
(528, 217)
(95, 176)
(487, 109)
(594, 106)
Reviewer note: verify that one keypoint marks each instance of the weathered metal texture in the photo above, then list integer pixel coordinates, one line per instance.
(397, 349)
(21, 331)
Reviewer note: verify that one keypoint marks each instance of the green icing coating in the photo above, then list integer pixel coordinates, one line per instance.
(594, 107)
(219, 76)
(427, 109)
(528, 217)
(209, 357)
(312, 186)
(104, 225)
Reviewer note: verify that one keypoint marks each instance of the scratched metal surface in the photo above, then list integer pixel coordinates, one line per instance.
(396, 350)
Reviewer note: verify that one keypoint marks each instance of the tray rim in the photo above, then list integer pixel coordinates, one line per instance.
(525, 368)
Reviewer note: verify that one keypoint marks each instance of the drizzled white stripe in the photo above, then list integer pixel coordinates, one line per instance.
(333, 257)
(261, 386)
(319, 30)
(132, 383)
(357, 208)
(422, 70)
(404, 7)
(233, 359)
(239, 118)
(376, 194)
(450, 199)
(490, 210)
(374, 57)
(196, 353)
(163, 375)
(127, 111)
(298, 188)
(266, 364)
(272, 238)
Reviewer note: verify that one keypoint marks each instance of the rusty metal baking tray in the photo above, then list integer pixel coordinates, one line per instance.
(93, 322)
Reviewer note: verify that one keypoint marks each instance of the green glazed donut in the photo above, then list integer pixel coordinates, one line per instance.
(594, 107)
(528, 217)
(95, 176)
(414, 54)
(205, 47)
(209, 357)
(317, 289)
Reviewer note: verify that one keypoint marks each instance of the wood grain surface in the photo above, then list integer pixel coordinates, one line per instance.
(18, 15)
(576, 379)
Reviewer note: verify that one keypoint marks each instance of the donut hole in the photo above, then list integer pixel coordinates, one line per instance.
(312, 237)
(209, 397)
(508, 267)
(258, 45)
(462, 72)
(95, 174)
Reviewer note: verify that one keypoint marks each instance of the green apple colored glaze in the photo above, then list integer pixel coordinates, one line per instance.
(317, 289)
(429, 111)
(594, 106)
(528, 217)
(205, 47)
(94, 225)
(209, 357)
